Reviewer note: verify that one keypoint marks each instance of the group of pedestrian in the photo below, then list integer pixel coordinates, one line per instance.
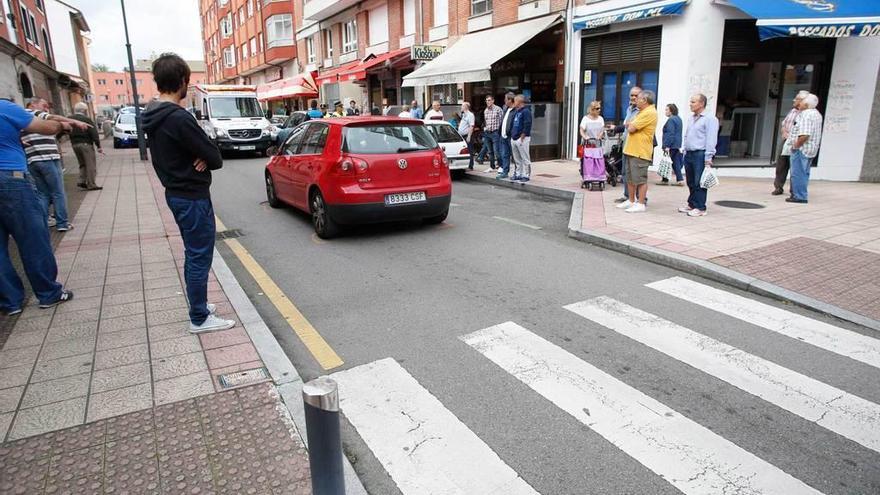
(801, 137)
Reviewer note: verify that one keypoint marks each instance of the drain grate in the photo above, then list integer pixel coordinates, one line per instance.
(245, 377)
(229, 234)
(742, 205)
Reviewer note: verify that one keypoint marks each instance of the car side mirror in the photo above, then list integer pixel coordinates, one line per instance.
(199, 115)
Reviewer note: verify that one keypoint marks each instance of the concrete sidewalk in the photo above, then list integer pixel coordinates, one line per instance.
(825, 254)
(110, 393)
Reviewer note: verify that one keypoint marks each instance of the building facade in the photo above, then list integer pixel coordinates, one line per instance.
(26, 60)
(113, 90)
(750, 61)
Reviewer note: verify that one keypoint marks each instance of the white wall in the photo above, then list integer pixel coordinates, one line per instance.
(848, 110)
(9, 79)
(62, 35)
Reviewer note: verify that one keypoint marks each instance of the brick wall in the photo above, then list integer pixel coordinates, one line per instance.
(395, 23)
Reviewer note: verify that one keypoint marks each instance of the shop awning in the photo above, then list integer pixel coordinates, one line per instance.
(644, 10)
(331, 76)
(359, 71)
(302, 86)
(471, 58)
(814, 19)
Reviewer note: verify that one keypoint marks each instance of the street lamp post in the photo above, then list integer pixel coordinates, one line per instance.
(142, 144)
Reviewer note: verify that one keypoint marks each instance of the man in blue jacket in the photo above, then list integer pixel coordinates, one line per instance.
(520, 137)
(183, 157)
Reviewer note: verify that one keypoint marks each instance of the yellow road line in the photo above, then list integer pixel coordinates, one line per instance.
(321, 351)
(219, 225)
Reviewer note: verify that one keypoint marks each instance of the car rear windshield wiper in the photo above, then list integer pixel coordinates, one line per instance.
(406, 150)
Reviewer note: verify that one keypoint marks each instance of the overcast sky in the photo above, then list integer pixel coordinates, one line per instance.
(153, 26)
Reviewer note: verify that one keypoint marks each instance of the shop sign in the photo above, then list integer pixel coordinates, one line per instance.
(862, 30)
(425, 52)
(627, 15)
(273, 74)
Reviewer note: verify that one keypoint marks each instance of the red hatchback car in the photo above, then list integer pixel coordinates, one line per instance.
(360, 170)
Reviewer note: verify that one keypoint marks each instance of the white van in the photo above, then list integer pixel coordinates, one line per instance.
(231, 116)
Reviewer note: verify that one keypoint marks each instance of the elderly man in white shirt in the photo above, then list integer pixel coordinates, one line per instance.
(804, 140)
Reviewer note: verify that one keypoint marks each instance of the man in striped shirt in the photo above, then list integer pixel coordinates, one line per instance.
(804, 140)
(44, 162)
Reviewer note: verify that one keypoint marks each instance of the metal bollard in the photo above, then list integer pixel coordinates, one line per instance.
(321, 398)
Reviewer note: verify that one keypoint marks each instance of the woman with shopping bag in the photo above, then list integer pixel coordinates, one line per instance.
(592, 159)
(672, 145)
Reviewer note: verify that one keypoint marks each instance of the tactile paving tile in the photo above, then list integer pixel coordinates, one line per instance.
(79, 437)
(24, 479)
(177, 412)
(139, 477)
(180, 436)
(301, 487)
(216, 405)
(130, 424)
(130, 454)
(26, 450)
(257, 395)
(186, 471)
(75, 486)
(76, 464)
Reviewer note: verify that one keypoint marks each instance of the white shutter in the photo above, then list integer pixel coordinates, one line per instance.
(409, 17)
(441, 12)
(378, 19)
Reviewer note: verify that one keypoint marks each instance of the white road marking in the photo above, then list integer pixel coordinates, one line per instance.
(421, 444)
(517, 222)
(841, 412)
(690, 457)
(829, 337)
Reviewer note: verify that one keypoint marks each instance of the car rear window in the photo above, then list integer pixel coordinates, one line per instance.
(387, 138)
(444, 133)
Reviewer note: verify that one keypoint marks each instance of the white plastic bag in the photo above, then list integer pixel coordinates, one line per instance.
(709, 179)
(665, 167)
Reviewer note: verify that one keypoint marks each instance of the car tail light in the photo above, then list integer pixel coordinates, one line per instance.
(463, 151)
(438, 161)
(350, 165)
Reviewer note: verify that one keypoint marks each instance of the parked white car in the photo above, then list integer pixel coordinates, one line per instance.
(124, 131)
(454, 146)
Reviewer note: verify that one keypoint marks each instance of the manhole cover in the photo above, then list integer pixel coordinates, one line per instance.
(228, 234)
(245, 377)
(742, 205)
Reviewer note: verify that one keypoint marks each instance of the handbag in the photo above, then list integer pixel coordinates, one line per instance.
(665, 167)
(709, 179)
(580, 151)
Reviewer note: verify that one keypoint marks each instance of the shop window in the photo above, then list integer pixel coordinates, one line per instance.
(480, 7)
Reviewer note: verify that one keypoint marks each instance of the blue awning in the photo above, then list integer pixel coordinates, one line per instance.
(813, 18)
(644, 10)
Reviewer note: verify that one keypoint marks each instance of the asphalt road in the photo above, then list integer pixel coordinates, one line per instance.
(407, 292)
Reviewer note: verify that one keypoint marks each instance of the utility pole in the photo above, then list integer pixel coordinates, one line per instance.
(142, 144)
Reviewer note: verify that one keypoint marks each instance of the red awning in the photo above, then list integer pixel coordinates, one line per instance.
(360, 70)
(301, 86)
(331, 76)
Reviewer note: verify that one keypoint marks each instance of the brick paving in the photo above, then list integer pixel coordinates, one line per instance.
(826, 250)
(110, 393)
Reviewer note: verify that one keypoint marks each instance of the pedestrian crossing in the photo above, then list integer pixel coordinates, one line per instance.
(427, 450)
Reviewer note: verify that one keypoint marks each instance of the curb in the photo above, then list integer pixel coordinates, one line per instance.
(286, 379)
(687, 264)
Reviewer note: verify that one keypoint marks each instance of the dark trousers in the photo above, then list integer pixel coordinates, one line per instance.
(783, 164)
(504, 153)
(195, 219)
(492, 147)
(22, 217)
(694, 163)
(677, 163)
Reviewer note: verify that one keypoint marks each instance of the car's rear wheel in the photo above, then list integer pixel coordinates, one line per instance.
(116, 144)
(274, 202)
(438, 219)
(324, 226)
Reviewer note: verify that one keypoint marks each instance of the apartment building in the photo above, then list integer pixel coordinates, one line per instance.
(113, 90)
(25, 50)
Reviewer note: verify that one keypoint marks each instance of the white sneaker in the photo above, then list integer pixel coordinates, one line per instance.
(636, 208)
(212, 308)
(685, 209)
(211, 324)
(52, 221)
(697, 213)
(626, 204)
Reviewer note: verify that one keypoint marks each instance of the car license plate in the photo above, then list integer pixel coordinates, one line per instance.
(403, 198)
(246, 148)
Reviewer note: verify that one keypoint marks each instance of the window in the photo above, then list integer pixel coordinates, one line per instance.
(349, 36)
(310, 49)
(409, 17)
(328, 43)
(221, 3)
(444, 133)
(378, 24)
(253, 46)
(384, 139)
(229, 57)
(314, 140)
(441, 12)
(291, 146)
(479, 7)
(39, 4)
(244, 51)
(139, 81)
(279, 30)
(226, 26)
(121, 97)
(102, 82)
(33, 23)
(28, 34)
(105, 97)
(241, 16)
(118, 82)
(250, 8)
(234, 107)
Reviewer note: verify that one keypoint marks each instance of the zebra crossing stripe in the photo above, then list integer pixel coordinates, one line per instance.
(828, 337)
(423, 446)
(690, 457)
(841, 412)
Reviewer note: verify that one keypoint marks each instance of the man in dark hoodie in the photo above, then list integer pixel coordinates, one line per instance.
(183, 157)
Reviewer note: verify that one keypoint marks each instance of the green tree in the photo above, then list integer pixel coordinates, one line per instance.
(100, 68)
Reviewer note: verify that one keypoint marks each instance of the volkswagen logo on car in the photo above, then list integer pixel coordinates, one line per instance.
(402, 164)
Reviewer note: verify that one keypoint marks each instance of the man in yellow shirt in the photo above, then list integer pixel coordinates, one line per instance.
(639, 151)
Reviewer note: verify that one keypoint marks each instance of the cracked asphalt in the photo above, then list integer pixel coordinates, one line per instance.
(408, 292)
